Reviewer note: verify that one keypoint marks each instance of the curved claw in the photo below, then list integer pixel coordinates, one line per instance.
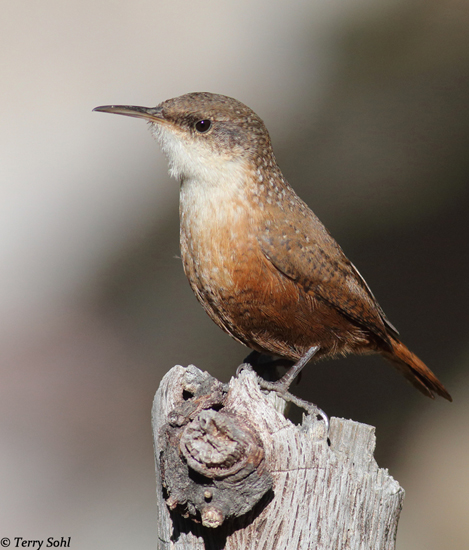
(243, 366)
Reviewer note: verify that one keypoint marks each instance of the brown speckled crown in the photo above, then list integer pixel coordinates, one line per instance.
(199, 105)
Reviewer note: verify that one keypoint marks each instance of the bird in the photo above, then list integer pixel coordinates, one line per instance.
(260, 262)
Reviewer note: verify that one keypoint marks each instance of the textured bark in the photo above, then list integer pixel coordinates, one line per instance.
(226, 457)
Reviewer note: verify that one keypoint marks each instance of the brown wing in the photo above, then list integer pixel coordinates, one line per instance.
(301, 248)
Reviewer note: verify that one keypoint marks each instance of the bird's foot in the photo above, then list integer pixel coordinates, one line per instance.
(280, 389)
(254, 363)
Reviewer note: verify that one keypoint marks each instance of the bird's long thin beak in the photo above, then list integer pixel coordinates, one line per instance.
(151, 114)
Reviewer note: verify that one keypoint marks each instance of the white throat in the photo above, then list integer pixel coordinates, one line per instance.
(192, 159)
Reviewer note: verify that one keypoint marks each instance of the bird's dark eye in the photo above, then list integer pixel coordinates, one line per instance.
(203, 126)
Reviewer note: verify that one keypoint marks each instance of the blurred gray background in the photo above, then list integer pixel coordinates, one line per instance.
(367, 105)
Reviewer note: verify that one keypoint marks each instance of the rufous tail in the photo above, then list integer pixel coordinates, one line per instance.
(415, 370)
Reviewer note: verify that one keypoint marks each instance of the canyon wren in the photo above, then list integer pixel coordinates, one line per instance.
(260, 262)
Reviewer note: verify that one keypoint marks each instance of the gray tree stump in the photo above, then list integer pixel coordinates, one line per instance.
(245, 477)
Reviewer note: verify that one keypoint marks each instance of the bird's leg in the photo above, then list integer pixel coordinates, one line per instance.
(282, 385)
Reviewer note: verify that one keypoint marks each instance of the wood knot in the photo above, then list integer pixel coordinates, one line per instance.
(217, 445)
(212, 517)
(212, 460)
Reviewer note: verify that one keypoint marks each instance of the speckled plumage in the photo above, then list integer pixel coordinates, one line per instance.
(259, 261)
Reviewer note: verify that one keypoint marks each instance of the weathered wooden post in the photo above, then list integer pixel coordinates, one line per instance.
(234, 473)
